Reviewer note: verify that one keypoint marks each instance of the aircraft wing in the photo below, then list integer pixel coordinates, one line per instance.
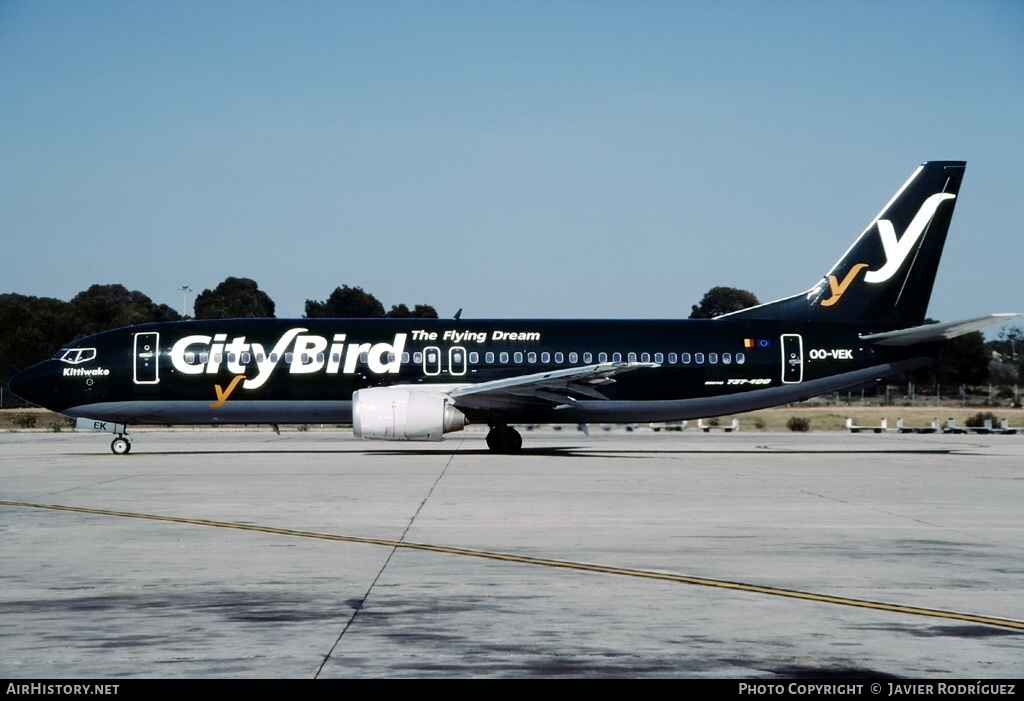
(557, 387)
(931, 333)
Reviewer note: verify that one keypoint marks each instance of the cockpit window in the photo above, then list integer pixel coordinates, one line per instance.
(74, 356)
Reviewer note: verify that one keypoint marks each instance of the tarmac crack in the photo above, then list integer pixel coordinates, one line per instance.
(359, 602)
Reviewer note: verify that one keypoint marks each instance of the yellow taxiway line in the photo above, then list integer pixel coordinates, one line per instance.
(546, 562)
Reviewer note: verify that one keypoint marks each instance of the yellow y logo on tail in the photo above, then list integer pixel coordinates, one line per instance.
(222, 395)
(838, 288)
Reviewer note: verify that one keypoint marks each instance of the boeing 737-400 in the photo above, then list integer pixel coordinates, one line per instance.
(416, 379)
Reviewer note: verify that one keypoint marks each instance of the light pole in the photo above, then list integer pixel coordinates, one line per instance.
(185, 289)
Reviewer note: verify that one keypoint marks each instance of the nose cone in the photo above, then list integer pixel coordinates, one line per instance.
(38, 385)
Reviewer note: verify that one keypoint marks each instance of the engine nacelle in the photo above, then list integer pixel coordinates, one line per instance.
(403, 414)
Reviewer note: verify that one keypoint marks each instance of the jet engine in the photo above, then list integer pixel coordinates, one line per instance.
(403, 414)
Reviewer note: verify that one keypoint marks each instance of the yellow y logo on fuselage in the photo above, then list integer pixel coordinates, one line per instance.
(838, 288)
(223, 394)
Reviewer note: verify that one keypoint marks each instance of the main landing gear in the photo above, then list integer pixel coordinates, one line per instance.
(122, 445)
(504, 439)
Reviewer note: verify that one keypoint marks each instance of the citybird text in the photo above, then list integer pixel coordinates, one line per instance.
(302, 352)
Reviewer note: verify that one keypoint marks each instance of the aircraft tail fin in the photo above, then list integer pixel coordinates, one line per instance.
(884, 280)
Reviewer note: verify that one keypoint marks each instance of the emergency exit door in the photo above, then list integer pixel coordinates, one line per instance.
(147, 358)
(792, 358)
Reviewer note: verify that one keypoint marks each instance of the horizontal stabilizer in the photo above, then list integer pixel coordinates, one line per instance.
(932, 333)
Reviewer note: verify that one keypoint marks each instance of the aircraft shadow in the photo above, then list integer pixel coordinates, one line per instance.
(548, 451)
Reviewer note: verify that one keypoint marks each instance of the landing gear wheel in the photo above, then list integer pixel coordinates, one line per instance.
(121, 446)
(502, 439)
(513, 441)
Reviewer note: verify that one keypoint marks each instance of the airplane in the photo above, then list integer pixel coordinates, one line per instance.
(419, 379)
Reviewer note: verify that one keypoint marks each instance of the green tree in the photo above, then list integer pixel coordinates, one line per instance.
(1014, 338)
(722, 300)
(105, 307)
(31, 329)
(235, 298)
(1007, 352)
(1011, 345)
(963, 360)
(346, 303)
(420, 311)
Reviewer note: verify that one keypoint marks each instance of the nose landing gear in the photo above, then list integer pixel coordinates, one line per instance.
(122, 445)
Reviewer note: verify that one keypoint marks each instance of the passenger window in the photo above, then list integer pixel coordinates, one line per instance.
(589, 358)
(405, 357)
(489, 357)
(631, 357)
(558, 358)
(391, 357)
(190, 357)
(320, 357)
(504, 356)
(364, 357)
(474, 357)
(672, 358)
(259, 357)
(685, 358)
(531, 357)
(573, 357)
(741, 358)
(698, 358)
(616, 357)
(645, 357)
(659, 357)
(288, 357)
(545, 357)
(712, 358)
(417, 357)
(518, 357)
(726, 358)
(602, 357)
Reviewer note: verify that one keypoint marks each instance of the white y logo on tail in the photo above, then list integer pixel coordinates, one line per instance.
(896, 252)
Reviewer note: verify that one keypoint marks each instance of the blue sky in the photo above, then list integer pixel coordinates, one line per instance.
(516, 159)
